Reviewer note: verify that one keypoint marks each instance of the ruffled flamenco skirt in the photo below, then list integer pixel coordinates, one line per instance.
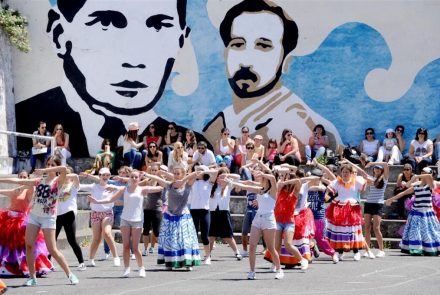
(178, 245)
(13, 249)
(304, 232)
(344, 227)
(421, 235)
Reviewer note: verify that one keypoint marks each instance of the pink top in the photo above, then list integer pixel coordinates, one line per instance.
(272, 154)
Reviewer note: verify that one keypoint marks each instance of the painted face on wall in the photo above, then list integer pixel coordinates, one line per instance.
(124, 51)
(254, 56)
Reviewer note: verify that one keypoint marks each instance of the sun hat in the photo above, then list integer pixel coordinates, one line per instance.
(390, 130)
(133, 126)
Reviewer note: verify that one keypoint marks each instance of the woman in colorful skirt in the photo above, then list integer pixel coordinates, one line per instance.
(344, 215)
(12, 239)
(178, 245)
(421, 235)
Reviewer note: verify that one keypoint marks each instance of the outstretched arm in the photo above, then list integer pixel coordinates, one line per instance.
(398, 196)
(162, 182)
(110, 199)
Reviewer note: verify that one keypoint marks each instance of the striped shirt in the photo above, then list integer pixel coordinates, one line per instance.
(423, 197)
(376, 195)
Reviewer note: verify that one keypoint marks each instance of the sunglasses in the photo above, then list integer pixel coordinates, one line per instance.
(171, 128)
(407, 169)
(245, 131)
(399, 130)
(369, 133)
(289, 134)
(249, 147)
(225, 133)
(201, 148)
(152, 146)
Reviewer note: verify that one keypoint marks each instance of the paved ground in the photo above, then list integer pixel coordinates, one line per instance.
(395, 274)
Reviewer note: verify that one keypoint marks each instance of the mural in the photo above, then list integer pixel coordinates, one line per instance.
(98, 65)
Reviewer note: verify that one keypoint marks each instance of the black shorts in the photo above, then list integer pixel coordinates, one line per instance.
(373, 209)
(152, 219)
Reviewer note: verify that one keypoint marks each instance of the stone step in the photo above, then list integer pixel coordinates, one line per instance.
(83, 237)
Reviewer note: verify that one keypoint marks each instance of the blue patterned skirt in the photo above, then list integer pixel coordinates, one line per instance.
(178, 244)
(422, 234)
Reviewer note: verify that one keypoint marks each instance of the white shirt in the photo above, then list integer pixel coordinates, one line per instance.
(133, 205)
(349, 193)
(99, 193)
(207, 158)
(68, 199)
(266, 204)
(219, 199)
(200, 194)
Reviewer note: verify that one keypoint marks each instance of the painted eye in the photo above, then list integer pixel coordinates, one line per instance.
(159, 21)
(107, 18)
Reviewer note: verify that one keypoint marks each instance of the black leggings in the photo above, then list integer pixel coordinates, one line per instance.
(202, 217)
(68, 221)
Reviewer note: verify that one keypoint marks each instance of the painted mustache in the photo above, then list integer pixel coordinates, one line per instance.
(245, 74)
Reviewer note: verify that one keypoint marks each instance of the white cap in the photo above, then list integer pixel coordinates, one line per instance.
(389, 130)
(104, 170)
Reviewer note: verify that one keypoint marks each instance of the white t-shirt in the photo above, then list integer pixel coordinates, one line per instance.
(200, 194)
(99, 193)
(421, 149)
(370, 147)
(266, 203)
(207, 158)
(68, 199)
(133, 205)
(219, 199)
(348, 192)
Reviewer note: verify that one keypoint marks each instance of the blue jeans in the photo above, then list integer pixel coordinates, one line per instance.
(437, 151)
(310, 154)
(245, 174)
(42, 157)
(117, 211)
(133, 158)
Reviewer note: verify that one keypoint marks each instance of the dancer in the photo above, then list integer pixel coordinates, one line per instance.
(131, 218)
(12, 239)
(178, 245)
(344, 214)
(221, 221)
(421, 235)
(102, 216)
(43, 215)
(66, 215)
(264, 222)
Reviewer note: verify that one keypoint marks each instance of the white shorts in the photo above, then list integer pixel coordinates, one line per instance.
(264, 221)
(43, 222)
(132, 224)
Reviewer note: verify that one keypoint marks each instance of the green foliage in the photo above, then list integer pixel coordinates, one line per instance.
(322, 159)
(15, 26)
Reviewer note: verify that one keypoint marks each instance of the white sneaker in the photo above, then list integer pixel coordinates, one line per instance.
(279, 275)
(335, 258)
(208, 260)
(341, 257)
(189, 268)
(251, 275)
(304, 264)
(106, 256)
(273, 268)
(133, 257)
(126, 273)
(238, 256)
(145, 253)
(244, 253)
(81, 267)
(357, 256)
(92, 263)
(380, 254)
(116, 261)
(369, 254)
(142, 272)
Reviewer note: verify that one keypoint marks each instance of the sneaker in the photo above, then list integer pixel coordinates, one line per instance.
(279, 275)
(238, 256)
(126, 273)
(357, 256)
(380, 254)
(116, 261)
(142, 272)
(31, 282)
(369, 254)
(251, 275)
(92, 263)
(208, 260)
(244, 253)
(341, 257)
(133, 257)
(145, 253)
(335, 258)
(81, 267)
(151, 250)
(73, 279)
(315, 250)
(106, 256)
(189, 268)
(273, 268)
(304, 264)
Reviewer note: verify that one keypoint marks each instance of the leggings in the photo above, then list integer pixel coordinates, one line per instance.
(68, 221)
(202, 217)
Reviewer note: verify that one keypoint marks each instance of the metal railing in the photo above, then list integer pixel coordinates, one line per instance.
(33, 136)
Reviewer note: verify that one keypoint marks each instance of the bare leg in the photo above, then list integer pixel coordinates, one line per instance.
(253, 242)
(269, 238)
(135, 237)
(107, 234)
(49, 238)
(30, 238)
(288, 237)
(376, 227)
(125, 232)
(232, 244)
(367, 219)
(96, 239)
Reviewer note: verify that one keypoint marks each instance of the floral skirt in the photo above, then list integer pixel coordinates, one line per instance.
(13, 248)
(421, 235)
(344, 228)
(177, 244)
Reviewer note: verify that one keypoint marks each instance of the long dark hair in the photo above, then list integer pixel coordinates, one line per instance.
(222, 170)
(149, 153)
(379, 182)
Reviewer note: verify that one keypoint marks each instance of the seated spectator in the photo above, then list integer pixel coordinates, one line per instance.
(240, 145)
(401, 185)
(190, 143)
(437, 150)
(369, 147)
(420, 151)
(203, 156)
(288, 151)
(151, 136)
(40, 147)
(224, 148)
(271, 152)
(62, 149)
(152, 156)
(171, 137)
(389, 151)
(259, 147)
(131, 146)
(178, 157)
(318, 143)
(248, 161)
(401, 143)
(104, 158)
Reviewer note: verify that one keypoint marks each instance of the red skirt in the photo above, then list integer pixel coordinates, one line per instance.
(344, 214)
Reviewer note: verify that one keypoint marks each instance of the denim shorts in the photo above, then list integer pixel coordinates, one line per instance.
(43, 222)
(264, 221)
(285, 227)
